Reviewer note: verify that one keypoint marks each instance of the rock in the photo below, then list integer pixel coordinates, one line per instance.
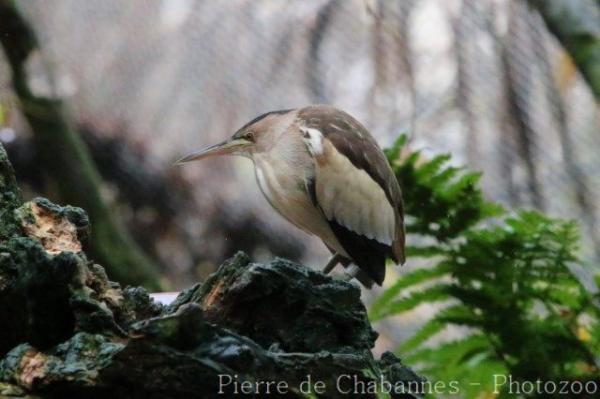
(10, 197)
(284, 304)
(48, 288)
(57, 229)
(252, 328)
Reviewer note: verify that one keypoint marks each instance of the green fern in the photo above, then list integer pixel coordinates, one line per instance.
(442, 200)
(381, 307)
(503, 276)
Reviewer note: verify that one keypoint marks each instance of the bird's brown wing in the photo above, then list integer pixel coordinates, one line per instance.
(352, 141)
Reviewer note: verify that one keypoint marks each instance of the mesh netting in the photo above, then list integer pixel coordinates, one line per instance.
(483, 80)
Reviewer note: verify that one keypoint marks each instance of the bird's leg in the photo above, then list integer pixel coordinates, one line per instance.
(333, 261)
(351, 272)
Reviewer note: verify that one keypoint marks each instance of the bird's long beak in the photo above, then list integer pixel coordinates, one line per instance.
(226, 147)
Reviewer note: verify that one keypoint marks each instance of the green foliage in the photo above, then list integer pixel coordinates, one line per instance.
(503, 277)
(441, 200)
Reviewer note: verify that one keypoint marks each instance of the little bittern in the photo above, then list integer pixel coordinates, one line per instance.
(323, 171)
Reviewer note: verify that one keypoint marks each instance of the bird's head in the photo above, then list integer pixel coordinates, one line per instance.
(258, 135)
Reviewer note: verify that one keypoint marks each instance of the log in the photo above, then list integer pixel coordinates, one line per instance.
(275, 329)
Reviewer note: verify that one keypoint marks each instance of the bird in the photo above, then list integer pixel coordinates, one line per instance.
(323, 171)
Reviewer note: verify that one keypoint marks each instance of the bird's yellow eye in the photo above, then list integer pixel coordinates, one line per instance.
(249, 136)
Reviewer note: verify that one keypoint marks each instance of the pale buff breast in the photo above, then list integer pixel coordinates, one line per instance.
(282, 177)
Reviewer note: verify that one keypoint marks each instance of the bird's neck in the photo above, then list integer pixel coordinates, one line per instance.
(286, 165)
(288, 156)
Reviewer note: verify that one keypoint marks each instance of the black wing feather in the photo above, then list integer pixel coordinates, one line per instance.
(370, 271)
(366, 253)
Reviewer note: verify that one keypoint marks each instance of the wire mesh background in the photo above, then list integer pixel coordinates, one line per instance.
(483, 80)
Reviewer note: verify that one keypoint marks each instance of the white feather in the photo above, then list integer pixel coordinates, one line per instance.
(314, 139)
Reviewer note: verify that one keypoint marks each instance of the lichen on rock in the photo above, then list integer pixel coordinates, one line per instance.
(54, 227)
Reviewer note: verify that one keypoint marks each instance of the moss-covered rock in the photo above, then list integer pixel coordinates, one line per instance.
(67, 331)
(286, 305)
(10, 197)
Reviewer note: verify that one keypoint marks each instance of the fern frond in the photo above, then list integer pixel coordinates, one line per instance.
(436, 293)
(507, 277)
(428, 330)
(406, 281)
